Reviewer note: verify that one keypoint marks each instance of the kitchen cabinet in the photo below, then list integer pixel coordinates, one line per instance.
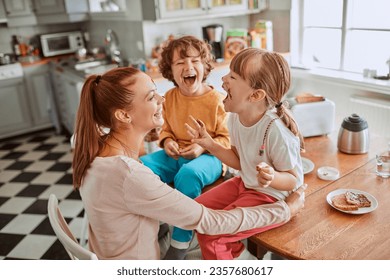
(130, 10)
(14, 114)
(18, 7)
(40, 96)
(167, 10)
(3, 17)
(19, 13)
(61, 11)
(182, 9)
(67, 89)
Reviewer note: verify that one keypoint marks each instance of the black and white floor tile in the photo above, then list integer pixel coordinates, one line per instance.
(31, 168)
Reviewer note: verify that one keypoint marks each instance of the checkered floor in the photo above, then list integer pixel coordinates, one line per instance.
(31, 168)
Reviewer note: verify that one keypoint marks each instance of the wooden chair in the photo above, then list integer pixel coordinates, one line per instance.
(64, 234)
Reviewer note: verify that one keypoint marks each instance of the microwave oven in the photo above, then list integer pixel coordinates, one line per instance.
(61, 43)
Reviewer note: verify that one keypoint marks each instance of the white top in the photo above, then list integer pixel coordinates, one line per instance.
(282, 150)
(125, 201)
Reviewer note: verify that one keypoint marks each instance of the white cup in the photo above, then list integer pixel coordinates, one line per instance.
(383, 166)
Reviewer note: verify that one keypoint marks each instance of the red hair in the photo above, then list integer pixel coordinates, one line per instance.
(100, 97)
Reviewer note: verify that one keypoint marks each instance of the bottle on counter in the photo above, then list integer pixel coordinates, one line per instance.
(15, 45)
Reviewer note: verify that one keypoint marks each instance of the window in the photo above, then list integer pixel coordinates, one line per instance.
(347, 35)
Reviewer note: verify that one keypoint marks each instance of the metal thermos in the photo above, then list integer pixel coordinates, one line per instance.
(353, 135)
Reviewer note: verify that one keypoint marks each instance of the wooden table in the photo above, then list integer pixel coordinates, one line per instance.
(320, 231)
(322, 151)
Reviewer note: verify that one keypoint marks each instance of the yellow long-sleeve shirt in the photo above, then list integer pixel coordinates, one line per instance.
(208, 107)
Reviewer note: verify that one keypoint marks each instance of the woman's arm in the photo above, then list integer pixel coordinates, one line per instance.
(149, 197)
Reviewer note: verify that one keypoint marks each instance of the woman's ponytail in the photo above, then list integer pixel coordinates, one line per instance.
(87, 132)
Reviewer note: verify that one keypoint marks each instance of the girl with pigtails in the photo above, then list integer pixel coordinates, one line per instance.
(265, 145)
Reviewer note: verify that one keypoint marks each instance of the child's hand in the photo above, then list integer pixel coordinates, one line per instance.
(265, 174)
(192, 151)
(199, 133)
(172, 148)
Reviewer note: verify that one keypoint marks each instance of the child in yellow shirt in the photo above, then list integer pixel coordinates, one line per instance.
(186, 62)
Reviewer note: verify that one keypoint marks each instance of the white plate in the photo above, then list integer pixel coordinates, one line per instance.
(362, 210)
(328, 173)
(307, 165)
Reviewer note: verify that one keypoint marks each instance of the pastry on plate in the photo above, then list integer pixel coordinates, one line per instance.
(340, 201)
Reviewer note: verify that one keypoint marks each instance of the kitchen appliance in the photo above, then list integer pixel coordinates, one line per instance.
(61, 43)
(353, 136)
(7, 58)
(213, 34)
(313, 118)
(12, 71)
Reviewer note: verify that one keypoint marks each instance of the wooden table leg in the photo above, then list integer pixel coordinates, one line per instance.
(256, 250)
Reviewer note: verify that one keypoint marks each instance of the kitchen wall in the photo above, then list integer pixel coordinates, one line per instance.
(137, 39)
(130, 36)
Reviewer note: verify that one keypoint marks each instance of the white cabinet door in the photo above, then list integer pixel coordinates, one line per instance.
(72, 91)
(18, 7)
(43, 7)
(14, 114)
(3, 17)
(130, 10)
(67, 90)
(49, 6)
(40, 95)
(20, 13)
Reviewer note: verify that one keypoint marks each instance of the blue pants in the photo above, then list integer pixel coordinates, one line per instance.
(188, 176)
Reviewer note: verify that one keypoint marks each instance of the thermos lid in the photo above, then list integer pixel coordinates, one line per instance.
(354, 123)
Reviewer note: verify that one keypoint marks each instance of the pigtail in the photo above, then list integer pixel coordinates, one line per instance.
(287, 118)
(88, 137)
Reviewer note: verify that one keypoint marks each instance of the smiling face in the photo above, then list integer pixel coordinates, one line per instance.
(146, 112)
(238, 93)
(188, 72)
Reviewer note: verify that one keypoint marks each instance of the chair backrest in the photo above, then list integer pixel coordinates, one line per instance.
(64, 234)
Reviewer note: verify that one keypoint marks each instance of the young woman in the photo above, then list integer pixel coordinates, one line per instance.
(125, 200)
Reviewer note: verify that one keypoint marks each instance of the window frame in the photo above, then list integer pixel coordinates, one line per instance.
(297, 30)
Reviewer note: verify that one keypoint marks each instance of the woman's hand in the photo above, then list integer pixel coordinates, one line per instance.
(265, 174)
(296, 200)
(197, 130)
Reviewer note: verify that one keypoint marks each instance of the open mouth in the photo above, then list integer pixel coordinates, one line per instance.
(228, 95)
(189, 79)
(158, 114)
